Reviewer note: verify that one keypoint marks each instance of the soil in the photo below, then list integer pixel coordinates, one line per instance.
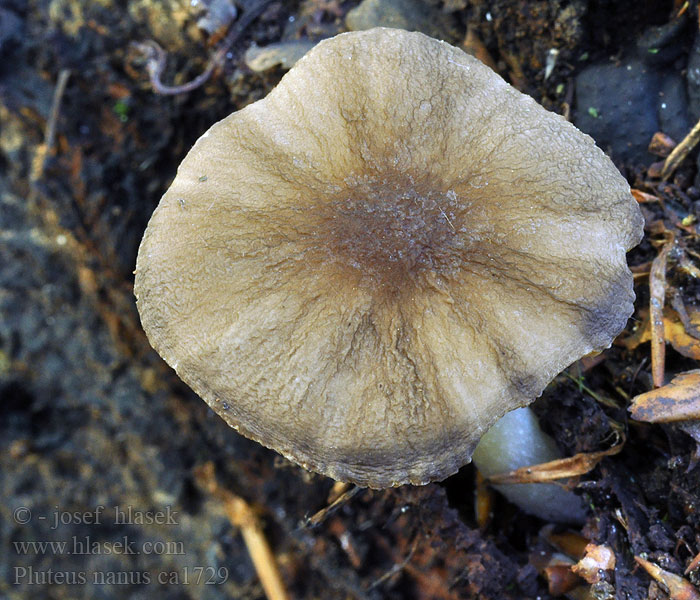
(91, 417)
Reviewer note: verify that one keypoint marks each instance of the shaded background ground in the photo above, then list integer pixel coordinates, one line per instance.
(90, 416)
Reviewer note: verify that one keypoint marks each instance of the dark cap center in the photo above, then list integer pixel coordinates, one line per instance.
(392, 232)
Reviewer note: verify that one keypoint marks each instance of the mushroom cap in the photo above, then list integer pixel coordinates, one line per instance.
(368, 267)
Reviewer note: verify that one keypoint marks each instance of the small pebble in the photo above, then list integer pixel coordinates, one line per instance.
(662, 44)
(622, 105)
(217, 14)
(284, 54)
(411, 15)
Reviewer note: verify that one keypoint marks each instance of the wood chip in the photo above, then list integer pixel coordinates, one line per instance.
(661, 144)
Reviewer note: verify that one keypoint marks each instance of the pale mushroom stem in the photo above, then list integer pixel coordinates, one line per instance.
(516, 440)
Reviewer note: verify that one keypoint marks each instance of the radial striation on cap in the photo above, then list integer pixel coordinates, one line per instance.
(368, 267)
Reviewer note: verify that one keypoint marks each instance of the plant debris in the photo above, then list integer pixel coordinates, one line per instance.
(573, 466)
(678, 588)
(676, 401)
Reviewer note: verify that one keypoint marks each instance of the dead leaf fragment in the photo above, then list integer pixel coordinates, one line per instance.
(640, 335)
(556, 569)
(680, 334)
(571, 543)
(655, 169)
(560, 579)
(694, 564)
(473, 45)
(675, 332)
(678, 588)
(562, 468)
(596, 561)
(643, 197)
(677, 401)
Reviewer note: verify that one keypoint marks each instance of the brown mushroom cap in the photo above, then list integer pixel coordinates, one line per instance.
(367, 268)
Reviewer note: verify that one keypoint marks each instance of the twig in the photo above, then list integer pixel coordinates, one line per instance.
(50, 133)
(680, 152)
(561, 468)
(155, 64)
(396, 568)
(657, 289)
(324, 513)
(156, 56)
(242, 515)
(582, 387)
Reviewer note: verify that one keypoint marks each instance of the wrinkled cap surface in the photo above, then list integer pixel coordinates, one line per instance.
(367, 268)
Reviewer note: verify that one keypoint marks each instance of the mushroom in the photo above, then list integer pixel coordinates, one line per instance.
(515, 441)
(367, 268)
